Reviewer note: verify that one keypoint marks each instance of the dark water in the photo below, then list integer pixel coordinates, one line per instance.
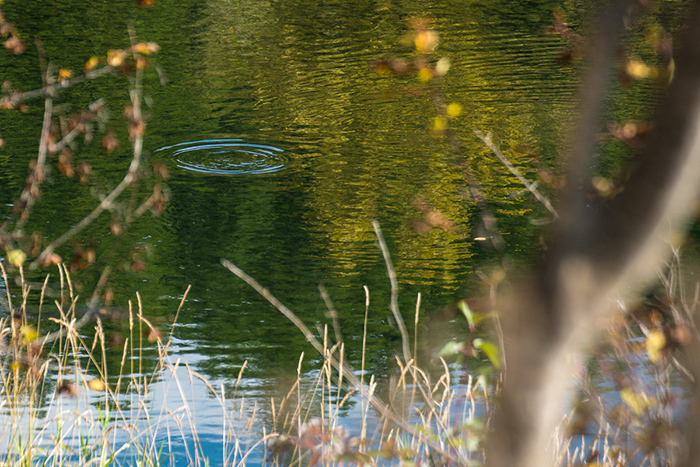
(283, 144)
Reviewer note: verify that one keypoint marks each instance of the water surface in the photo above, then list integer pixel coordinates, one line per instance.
(282, 144)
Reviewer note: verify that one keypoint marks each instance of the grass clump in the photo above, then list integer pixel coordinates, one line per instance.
(61, 403)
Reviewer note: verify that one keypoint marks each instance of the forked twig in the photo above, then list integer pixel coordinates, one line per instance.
(128, 179)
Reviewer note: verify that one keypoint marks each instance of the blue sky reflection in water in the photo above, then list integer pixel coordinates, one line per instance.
(248, 79)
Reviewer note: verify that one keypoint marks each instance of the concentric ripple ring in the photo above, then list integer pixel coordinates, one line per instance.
(227, 157)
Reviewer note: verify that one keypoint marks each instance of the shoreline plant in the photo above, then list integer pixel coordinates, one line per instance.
(64, 405)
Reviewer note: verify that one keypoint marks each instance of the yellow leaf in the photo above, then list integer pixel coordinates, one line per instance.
(146, 48)
(639, 70)
(115, 57)
(91, 64)
(64, 74)
(96, 384)
(439, 124)
(426, 41)
(454, 110)
(656, 341)
(16, 257)
(636, 402)
(28, 333)
(425, 75)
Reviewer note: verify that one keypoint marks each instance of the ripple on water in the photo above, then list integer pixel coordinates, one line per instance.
(227, 157)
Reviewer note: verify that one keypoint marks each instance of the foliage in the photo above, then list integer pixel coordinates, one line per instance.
(115, 421)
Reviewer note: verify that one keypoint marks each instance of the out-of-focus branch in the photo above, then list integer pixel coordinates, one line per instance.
(136, 131)
(530, 186)
(69, 137)
(52, 89)
(601, 251)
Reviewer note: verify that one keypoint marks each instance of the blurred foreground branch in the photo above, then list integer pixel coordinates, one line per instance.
(601, 251)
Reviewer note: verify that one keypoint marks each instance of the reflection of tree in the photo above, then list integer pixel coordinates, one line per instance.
(300, 72)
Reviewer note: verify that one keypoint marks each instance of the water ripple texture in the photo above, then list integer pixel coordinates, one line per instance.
(227, 157)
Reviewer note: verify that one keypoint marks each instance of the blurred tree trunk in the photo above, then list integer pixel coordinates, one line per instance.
(601, 251)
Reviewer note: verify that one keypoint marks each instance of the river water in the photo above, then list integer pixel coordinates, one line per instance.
(282, 144)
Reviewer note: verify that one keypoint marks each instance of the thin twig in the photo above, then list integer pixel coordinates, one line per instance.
(394, 292)
(51, 89)
(128, 179)
(333, 313)
(530, 186)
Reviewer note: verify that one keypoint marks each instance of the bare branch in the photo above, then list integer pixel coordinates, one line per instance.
(128, 179)
(394, 292)
(530, 186)
(52, 89)
(602, 251)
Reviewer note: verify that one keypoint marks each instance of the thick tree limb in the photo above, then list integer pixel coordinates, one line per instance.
(600, 252)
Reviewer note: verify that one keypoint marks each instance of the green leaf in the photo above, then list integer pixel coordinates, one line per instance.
(472, 319)
(491, 351)
(451, 348)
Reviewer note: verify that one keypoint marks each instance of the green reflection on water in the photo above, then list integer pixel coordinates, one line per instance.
(298, 76)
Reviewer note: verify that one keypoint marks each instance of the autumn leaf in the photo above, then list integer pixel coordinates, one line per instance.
(153, 335)
(146, 48)
(66, 389)
(110, 142)
(425, 75)
(656, 341)
(426, 41)
(64, 74)
(15, 45)
(439, 125)
(454, 110)
(29, 334)
(115, 57)
(16, 257)
(91, 64)
(97, 384)
(635, 401)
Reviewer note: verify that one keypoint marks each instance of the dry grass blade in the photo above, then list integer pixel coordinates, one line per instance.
(385, 411)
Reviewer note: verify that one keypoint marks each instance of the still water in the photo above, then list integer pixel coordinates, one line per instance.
(282, 144)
